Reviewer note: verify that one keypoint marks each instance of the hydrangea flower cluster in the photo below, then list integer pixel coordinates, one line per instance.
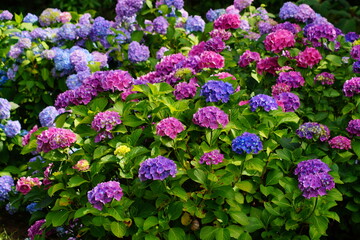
(157, 168)
(288, 10)
(248, 57)
(215, 91)
(309, 57)
(242, 4)
(210, 59)
(278, 40)
(220, 33)
(212, 15)
(160, 25)
(138, 52)
(49, 16)
(82, 165)
(185, 90)
(223, 75)
(227, 21)
(6, 15)
(313, 178)
(313, 130)
(214, 44)
(268, 64)
(195, 24)
(288, 101)
(116, 80)
(169, 127)
(356, 67)
(351, 87)
(12, 128)
(211, 158)
(325, 78)
(210, 117)
(33, 207)
(26, 138)
(305, 13)
(6, 184)
(315, 32)
(36, 229)
(104, 193)
(25, 184)
(355, 52)
(291, 78)
(5, 108)
(280, 88)
(47, 116)
(247, 143)
(54, 138)
(105, 121)
(340, 142)
(121, 150)
(351, 36)
(354, 127)
(127, 8)
(264, 101)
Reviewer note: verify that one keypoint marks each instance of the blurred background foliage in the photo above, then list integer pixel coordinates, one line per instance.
(344, 14)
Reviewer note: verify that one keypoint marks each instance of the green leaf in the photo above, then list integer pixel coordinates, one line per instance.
(318, 226)
(222, 234)
(356, 147)
(58, 218)
(118, 229)
(273, 177)
(246, 186)
(254, 224)
(179, 192)
(334, 60)
(197, 175)
(271, 210)
(150, 222)
(207, 233)
(132, 121)
(76, 181)
(137, 36)
(83, 211)
(176, 234)
(53, 189)
(98, 104)
(239, 217)
(101, 151)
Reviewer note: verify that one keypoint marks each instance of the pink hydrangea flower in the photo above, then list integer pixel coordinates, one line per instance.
(340, 142)
(185, 90)
(248, 57)
(309, 57)
(210, 59)
(55, 138)
(280, 88)
(220, 33)
(269, 64)
(223, 75)
(210, 117)
(227, 21)
(278, 40)
(25, 184)
(212, 158)
(117, 80)
(65, 17)
(26, 138)
(169, 127)
(105, 121)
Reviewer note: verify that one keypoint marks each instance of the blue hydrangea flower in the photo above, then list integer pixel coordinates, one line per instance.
(157, 168)
(138, 52)
(215, 91)
(356, 67)
(32, 207)
(247, 142)
(212, 15)
(178, 4)
(67, 32)
(10, 209)
(195, 24)
(12, 128)
(5, 108)
(100, 28)
(47, 116)
(6, 184)
(73, 82)
(30, 18)
(264, 101)
(62, 59)
(288, 10)
(351, 36)
(3, 77)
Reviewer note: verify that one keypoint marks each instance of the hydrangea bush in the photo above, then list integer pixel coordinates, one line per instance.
(239, 126)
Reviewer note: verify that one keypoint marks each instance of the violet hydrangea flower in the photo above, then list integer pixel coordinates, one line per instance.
(5, 108)
(6, 184)
(210, 117)
(291, 78)
(54, 138)
(169, 127)
(157, 168)
(305, 13)
(185, 90)
(160, 25)
(313, 178)
(340, 142)
(288, 101)
(248, 57)
(138, 52)
(325, 78)
(351, 36)
(288, 10)
(105, 121)
(36, 229)
(47, 116)
(313, 130)
(264, 101)
(242, 4)
(215, 91)
(127, 8)
(211, 158)
(5, 15)
(351, 87)
(247, 143)
(315, 32)
(104, 193)
(354, 127)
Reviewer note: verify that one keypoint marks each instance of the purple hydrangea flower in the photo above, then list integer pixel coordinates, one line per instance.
(313, 130)
(288, 10)
(138, 52)
(212, 158)
(178, 4)
(288, 101)
(5, 15)
(354, 127)
(248, 57)
(5, 108)
(242, 4)
(351, 36)
(212, 15)
(36, 229)
(195, 24)
(313, 178)
(210, 117)
(325, 78)
(160, 25)
(315, 32)
(168, 64)
(285, 26)
(47, 116)
(169, 127)
(157, 168)
(6, 184)
(356, 67)
(54, 138)
(12, 128)
(340, 142)
(351, 87)
(104, 193)
(161, 52)
(100, 28)
(266, 27)
(214, 44)
(247, 142)
(185, 90)
(105, 121)
(305, 13)
(215, 91)
(264, 101)
(127, 8)
(67, 32)
(355, 52)
(291, 78)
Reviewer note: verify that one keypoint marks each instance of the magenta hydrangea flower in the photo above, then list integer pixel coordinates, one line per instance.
(309, 57)
(220, 33)
(325, 78)
(169, 127)
(54, 138)
(210, 59)
(185, 90)
(211, 158)
(248, 57)
(354, 127)
(117, 80)
(313, 130)
(223, 75)
(210, 117)
(280, 88)
(351, 87)
(157, 168)
(340, 142)
(278, 40)
(168, 64)
(26, 139)
(269, 64)
(25, 184)
(104, 193)
(288, 101)
(105, 121)
(36, 229)
(227, 21)
(355, 52)
(313, 178)
(291, 78)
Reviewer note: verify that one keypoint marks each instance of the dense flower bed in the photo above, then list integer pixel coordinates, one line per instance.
(161, 125)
